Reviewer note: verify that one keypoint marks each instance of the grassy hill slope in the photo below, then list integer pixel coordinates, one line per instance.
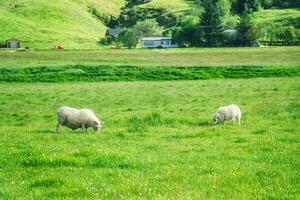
(277, 17)
(177, 5)
(42, 24)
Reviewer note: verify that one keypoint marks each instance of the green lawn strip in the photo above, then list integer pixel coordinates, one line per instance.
(133, 73)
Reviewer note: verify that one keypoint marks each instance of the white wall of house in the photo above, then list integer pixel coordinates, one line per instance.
(156, 42)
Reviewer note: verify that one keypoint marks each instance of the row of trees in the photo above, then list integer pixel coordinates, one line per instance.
(130, 37)
(207, 28)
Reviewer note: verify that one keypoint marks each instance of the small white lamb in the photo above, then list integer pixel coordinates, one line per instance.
(230, 112)
(74, 119)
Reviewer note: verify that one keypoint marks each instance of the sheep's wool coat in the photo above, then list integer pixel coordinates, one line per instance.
(74, 118)
(230, 112)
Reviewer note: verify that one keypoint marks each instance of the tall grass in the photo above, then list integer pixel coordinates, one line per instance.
(131, 73)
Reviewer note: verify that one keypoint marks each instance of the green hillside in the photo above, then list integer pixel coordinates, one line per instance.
(42, 24)
(80, 23)
(278, 16)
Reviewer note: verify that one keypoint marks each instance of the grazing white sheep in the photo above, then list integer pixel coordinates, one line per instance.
(74, 119)
(230, 112)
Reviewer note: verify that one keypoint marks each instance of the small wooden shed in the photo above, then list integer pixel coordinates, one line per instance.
(113, 31)
(13, 43)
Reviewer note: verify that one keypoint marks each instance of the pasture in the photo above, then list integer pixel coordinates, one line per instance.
(269, 56)
(157, 141)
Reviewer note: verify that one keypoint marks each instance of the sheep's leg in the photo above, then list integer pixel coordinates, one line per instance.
(58, 126)
(233, 120)
(239, 120)
(84, 130)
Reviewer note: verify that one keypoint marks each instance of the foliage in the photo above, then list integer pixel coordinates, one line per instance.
(225, 7)
(132, 3)
(188, 33)
(290, 35)
(249, 31)
(253, 33)
(246, 6)
(274, 23)
(211, 23)
(129, 38)
(130, 16)
(107, 40)
(148, 28)
(188, 36)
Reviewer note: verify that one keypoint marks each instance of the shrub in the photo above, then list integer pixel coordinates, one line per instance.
(148, 28)
(290, 35)
(129, 38)
(108, 40)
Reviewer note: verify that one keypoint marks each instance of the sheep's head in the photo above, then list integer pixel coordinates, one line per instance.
(216, 118)
(97, 125)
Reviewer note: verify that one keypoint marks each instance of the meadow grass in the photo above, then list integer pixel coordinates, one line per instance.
(132, 73)
(275, 56)
(157, 142)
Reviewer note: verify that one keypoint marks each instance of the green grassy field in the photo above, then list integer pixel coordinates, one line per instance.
(275, 56)
(157, 142)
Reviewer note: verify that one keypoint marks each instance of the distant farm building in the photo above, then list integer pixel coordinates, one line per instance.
(156, 42)
(13, 43)
(113, 32)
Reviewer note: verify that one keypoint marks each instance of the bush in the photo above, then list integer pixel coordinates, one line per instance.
(290, 35)
(129, 38)
(148, 28)
(108, 40)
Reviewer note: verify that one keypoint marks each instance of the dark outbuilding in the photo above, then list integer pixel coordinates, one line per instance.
(114, 32)
(13, 43)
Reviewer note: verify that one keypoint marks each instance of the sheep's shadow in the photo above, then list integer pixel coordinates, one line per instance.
(198, 123)
(204, 123)
(44, 131)
(49, 131)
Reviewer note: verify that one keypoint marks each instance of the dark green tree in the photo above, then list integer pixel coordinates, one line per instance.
(188, 33)
(129, 38)
(148, 28)
(249, 6)
(249, 32)
(243, 29)
(188, 36)
(211, 23)
(290, 35)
